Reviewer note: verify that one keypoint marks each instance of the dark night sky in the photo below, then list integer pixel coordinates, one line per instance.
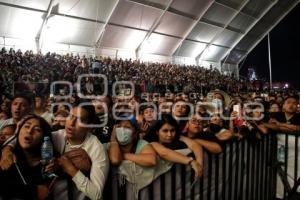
(285, 55)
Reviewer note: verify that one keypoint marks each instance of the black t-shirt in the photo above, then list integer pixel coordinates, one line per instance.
(104, 133)
(175, 145)
(12, 186)
(295, 120)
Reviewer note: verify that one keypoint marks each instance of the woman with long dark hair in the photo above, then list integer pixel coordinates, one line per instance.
(25, 179)
(165, 138)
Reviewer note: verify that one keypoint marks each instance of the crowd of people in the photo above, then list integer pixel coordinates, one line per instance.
(17, 67)
(148, 128)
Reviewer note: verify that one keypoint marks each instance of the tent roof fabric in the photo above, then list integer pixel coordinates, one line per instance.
(212, 30)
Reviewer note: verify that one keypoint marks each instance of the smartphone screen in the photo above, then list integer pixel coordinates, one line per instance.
(237, 108)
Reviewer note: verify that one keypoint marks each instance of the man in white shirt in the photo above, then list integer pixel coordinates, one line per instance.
(76, 135)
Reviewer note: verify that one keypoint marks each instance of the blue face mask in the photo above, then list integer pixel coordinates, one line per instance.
(217, 103)
(124, 135)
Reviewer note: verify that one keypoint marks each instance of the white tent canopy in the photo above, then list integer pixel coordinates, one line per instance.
(181, 31)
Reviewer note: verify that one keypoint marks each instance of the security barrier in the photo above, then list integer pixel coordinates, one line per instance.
(245, 170)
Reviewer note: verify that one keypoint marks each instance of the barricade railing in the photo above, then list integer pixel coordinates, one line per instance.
(287, 164)
(245, 170)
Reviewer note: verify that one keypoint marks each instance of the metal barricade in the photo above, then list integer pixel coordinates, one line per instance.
(245, 170)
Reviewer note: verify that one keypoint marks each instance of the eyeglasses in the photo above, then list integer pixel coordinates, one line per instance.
(196, 121)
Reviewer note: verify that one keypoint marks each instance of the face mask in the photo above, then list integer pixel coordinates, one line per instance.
(217, 103)
(124, 135)
(214, 128)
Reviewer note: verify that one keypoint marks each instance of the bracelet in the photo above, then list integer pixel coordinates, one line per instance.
(114, 142)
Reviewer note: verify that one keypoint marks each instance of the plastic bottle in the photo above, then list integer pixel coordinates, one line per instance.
(46, 150)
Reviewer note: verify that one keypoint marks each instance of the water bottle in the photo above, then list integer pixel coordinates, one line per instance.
(47, 154)
(47, 151)
(281, 154)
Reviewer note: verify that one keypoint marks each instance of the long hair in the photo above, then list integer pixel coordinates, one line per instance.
(46, 130)
(152, 136)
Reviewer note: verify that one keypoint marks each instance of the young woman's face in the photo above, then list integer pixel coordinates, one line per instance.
(166, 133)
(180, 109)
(31, 134)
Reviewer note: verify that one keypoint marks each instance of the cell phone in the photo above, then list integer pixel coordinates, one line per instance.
(237, 108)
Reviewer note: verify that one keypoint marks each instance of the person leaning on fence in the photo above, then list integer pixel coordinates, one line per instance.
(194, 130)
(287, 121)
(126, 145)
(165, 138)
(216, 127)
(249, 126)
(89, 181)
(26, 180)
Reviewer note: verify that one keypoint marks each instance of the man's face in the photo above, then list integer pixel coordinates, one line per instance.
(38, 102)
(290, 105)
(180, 109)
(19, 108)
(74, 127)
